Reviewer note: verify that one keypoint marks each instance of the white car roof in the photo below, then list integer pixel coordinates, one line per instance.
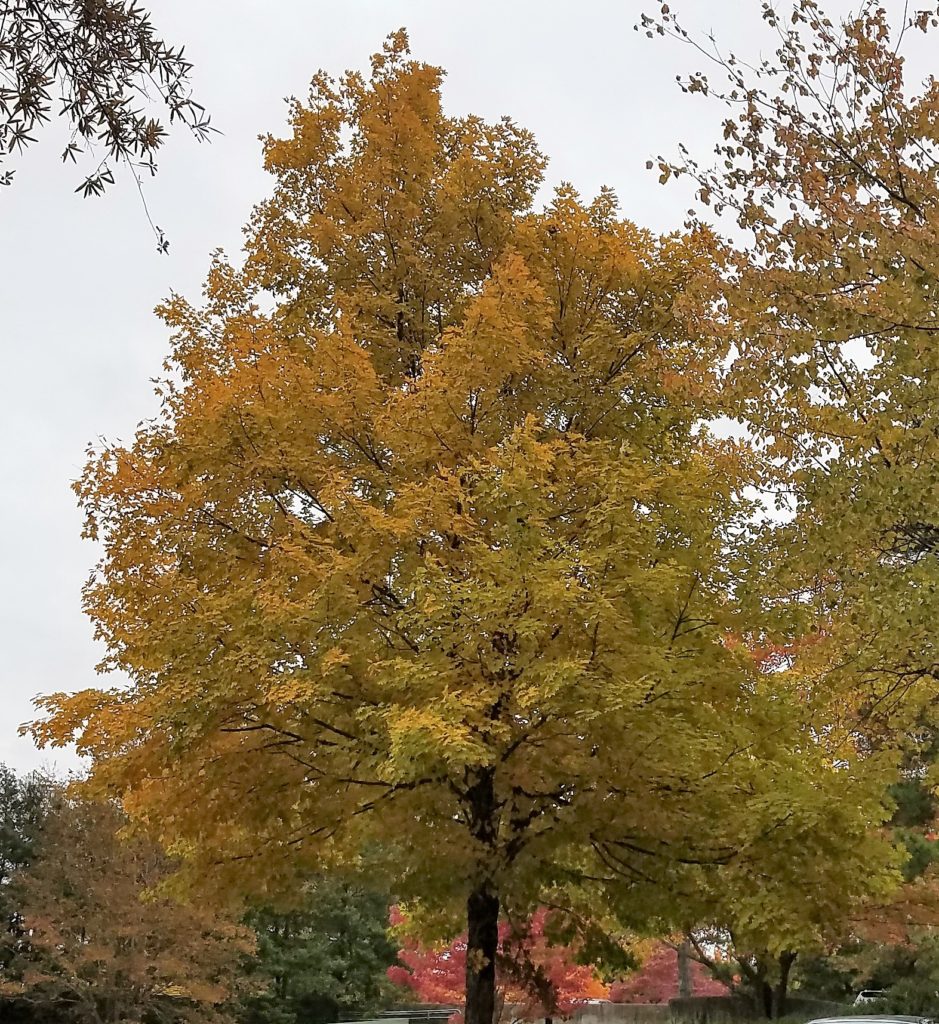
(870, 1018)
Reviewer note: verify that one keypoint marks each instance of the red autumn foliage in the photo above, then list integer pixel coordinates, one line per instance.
(556, 983)
(434, 975)
(657, 980)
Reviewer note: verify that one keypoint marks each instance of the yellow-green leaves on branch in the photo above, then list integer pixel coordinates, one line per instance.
(830, 159)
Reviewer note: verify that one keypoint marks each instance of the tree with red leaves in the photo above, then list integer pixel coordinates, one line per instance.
(535, 978)
(657, 980)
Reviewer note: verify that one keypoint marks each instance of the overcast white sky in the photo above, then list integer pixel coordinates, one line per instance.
(80, 277)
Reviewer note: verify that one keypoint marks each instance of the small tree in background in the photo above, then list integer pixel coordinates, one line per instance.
(24, 805)
(327, 952)
(657, 980)
(100, 944)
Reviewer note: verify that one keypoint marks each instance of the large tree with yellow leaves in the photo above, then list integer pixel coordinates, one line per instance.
(428, 547)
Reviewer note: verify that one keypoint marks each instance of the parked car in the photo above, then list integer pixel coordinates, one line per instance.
(873, 1018)
(869, 995)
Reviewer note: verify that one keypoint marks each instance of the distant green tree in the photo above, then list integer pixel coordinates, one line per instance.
(24, 803)
(833, 977)
(327, 955)
(915, 818)
(898, 956)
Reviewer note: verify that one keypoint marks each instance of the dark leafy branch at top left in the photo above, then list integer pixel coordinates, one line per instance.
(101, 65)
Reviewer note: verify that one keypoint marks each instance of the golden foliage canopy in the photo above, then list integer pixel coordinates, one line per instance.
(430, 546)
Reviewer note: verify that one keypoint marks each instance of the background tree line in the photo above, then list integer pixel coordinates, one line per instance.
(91, 936)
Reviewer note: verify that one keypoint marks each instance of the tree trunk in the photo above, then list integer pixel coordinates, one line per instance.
(781, 992)
(685, 979)
(765, 995)
(482, 918)
(773, 997)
